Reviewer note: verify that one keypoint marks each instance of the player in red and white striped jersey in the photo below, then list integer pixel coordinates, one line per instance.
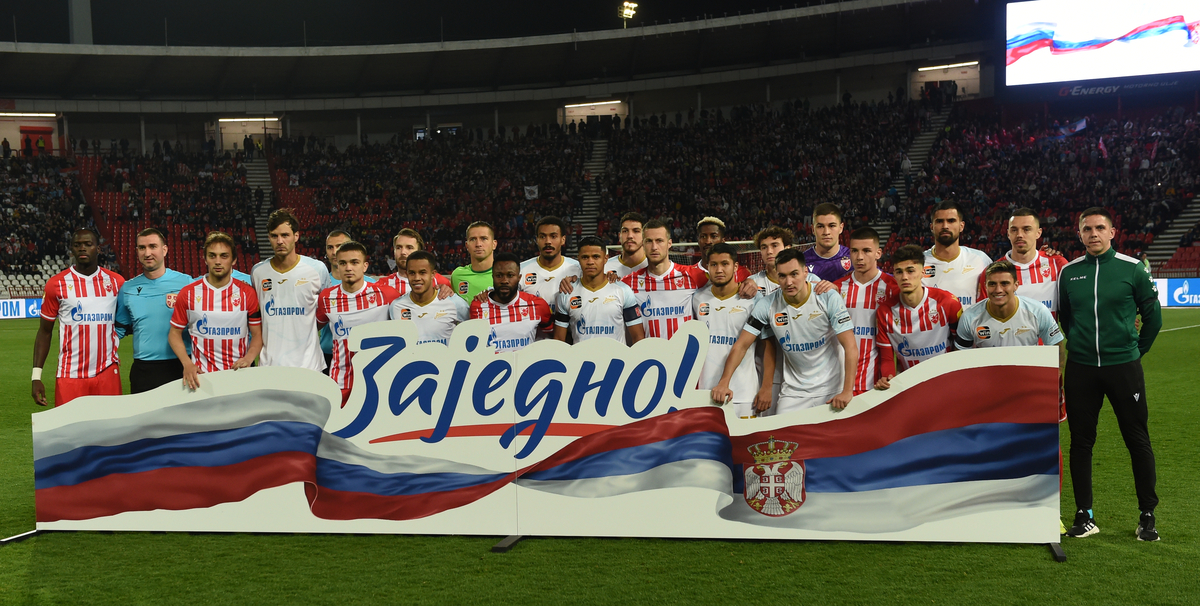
(220, 314)
(405, 242)
(664, 290)
(1037, 270)
(865, 290)
(921, 322)
(351, 303)
(516, 317)
(710, 231)
(83, 299)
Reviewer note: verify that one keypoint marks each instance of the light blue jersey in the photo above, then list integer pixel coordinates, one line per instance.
(146, 305)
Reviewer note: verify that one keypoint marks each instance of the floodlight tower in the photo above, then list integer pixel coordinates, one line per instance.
(626, 12)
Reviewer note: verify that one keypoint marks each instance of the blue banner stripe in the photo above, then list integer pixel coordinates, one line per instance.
(201, 449)
(636, 459)
(336, 475)
(991, 451)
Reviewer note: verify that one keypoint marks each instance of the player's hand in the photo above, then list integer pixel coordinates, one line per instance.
(721, 394)
(567, 284)
(612, 277)
(883, 383)
(762, 401)
(191, 379)
(445, 292)
(823, 287)
(39, 393)
(748, 289)
(1050, 252)
(242, 362)
(840, 401)
(482, 297)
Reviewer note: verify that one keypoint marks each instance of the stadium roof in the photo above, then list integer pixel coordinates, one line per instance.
(831, 36)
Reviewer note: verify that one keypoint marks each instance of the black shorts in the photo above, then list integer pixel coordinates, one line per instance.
(145, 375)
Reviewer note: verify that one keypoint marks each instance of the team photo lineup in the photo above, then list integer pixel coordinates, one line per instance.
(816, 327)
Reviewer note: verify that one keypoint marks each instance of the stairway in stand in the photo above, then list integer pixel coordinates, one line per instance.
(918, 154)
(259, 175)
(1165, 244)
(589, 215)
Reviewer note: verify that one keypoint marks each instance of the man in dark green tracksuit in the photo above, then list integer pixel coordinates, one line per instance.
(1100, 295)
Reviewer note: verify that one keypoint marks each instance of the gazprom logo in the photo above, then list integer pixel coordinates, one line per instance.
(340, 329)
(1181, 296)
(273, 310)
(77, 315)
(203, 327)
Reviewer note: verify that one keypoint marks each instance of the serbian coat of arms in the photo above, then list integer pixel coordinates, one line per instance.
(775, 484)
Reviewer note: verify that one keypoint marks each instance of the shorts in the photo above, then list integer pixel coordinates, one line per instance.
(775, 388)
(106, 383)
(145, 375)
(793, 403)
(345, 397)
(744, 410)
(328, 359)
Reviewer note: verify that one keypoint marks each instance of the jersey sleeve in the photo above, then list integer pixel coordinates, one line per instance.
(326, 279)
(464, 310)
(760, 317)
(883, 319)
(981, 287)
(50, 300)
(631, 309)
(1145, 293)
(561, 304)
(475, 311)
(545, 318)
(964, 333)
(835, 310)
(123, 315)
(253, 315)
(1048, 330)
(388, 293)
(179, 317)
(440, 280)
(323, 307)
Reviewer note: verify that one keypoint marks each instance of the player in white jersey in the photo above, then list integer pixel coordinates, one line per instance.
(948, 266)
(540, 276)
(920, 323)
(633, 255)
(516, 318)
(866, 289)
(434, 318)
(351, 303)
(1037, 270)
(404, 243)
(83, 299)
(220, 314)
(810, 328)
(718, 306)
(288, 285)
(595, 307)
(664, 289)
(1005, 319)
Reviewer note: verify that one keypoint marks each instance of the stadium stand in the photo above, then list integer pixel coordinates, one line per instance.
(40, 204)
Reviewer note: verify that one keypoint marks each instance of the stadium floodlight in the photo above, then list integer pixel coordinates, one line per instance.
(26, 115)
(948, 66)
(249, 119)
(591, 104)
(626, 12)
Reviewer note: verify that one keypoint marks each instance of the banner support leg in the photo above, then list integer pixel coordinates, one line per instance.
(20, 537)
(507, 544)
(1056, 550)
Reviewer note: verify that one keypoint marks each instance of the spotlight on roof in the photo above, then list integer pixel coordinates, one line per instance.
(626, 12)
(948, 66)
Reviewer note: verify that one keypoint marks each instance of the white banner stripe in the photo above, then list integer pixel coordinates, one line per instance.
(344, 451)
(694, 473)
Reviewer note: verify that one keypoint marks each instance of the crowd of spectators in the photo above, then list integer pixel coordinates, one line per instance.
(763, 164)
(40, 206)
(1144, 172)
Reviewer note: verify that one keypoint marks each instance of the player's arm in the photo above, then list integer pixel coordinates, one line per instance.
(962, 335)
(191, 379)
(955, 310)
(482, 297)
(1064, 307)
(1146, 295)
(850, 347)
(41, 349)
(562, 320)
(887, 360)
(322, 314)
(546, 321)
(721, 393)
(635, 333)
(567, 284)
(123, 323)
(251, 351)
(766, 391)
(748, 289)
(445, 291)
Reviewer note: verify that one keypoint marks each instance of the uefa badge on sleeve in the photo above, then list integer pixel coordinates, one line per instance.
(775, 484)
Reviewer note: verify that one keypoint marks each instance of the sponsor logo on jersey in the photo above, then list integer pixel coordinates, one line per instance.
(583, 328)
(340, 330)
(703, 310)
(266, 285)
(864, 331)
(271, 309)
(983, 333)
(78, 315)
(499, 344)
(930, 271)
(721, 340)
(530, 279)
(203, 328)
(171, 297)
(781, 319)
(576, 302)
(907, 351)
(1004, 332)
(283, 280)
(666, 311)
(405, 314)
(787, 345)
(593, 300)
(463, 287)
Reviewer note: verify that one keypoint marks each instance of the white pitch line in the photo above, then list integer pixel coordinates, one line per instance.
(1180, 328)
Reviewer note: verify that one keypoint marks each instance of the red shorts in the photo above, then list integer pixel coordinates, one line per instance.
(107, 383)
(345, 397)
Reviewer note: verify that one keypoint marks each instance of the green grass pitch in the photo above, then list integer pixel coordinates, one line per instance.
(147, 568)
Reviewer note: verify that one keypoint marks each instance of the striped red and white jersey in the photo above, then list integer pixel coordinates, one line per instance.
(919, 333)
(666, 300)
(86, 308)
(343, 311)
(1037, 280)
(218, 320)
(399, 283)
(517, 324)
(862, 301)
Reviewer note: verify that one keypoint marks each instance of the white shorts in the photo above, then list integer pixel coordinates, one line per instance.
(793, 403)
(744, 410)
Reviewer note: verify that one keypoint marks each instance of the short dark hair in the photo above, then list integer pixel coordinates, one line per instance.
(90, 230)
(1094, 212)
(1002, 266)
(909, 252)
(506, 257)
(784, 234)
(790, 254)
(281, 216)
(656, 224)
(351, 246)
(410, 233)
(828, 208)
(150, 231)
(422, 255)
(340, 232)
(723, 249)
(632, 216)
(481, 224)
(551, 220)
(1027, 212)
(592, 241)
(865, 233)
(220, 237)
(947, 205)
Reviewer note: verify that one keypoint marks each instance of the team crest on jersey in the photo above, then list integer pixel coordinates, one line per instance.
(171, 300)
(813, 315)
(370, 298)
(576, 302)
(880, 296)
(968, 269)
(108, 287)
(781, 319)
(983, 332)
(463, 287)
(703, 310)
(933, 315)
(846, 263)
(737, 309)
(610, 299)
(236, 298)
(1022, 330)
(775, 484)
(530, 279)
(300, 282)
(266, 285)
(440, 313)
(405, 314)
(1045, 272)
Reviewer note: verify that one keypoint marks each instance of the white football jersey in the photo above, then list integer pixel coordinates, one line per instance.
(807, 334)
(1032, 322)
(539, 281)
(959, 277)
(592, 314)
(435, 320)
(725, 319)
(288, 301)
(614, 264)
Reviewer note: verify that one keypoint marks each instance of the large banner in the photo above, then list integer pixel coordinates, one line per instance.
(596, 439)
(13, 309)
(1178, 292)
